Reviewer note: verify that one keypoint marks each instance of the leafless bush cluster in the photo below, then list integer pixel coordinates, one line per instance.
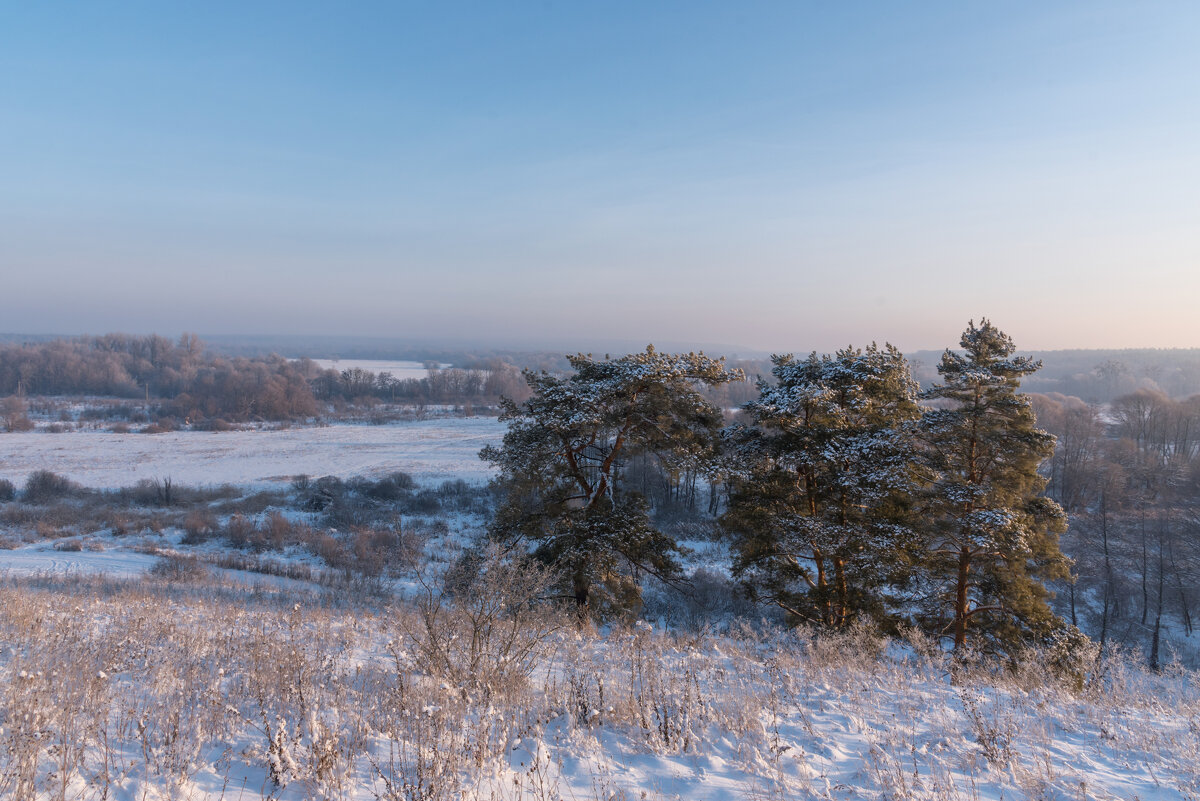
(484, 627)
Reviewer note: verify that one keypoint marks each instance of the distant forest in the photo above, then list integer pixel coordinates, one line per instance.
(195, 381)
(187, 381)
(1093, 375)
(1098, 376)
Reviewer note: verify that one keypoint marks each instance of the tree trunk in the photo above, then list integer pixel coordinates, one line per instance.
(582, 589)
(1108, 593)
(1145, 572)
(823, 588)
(842, 611)
(960, 600)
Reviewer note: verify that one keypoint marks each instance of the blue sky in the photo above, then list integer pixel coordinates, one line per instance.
(779, 176)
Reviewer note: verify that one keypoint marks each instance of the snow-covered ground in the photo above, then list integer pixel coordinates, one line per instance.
(620, 714)
(431, 450)
(399, 370)
(42, 558)
(163, 691)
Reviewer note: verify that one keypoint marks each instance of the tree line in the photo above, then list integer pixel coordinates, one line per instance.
(187, 382)
(1128, 473)
(847, 493)
(481, 384)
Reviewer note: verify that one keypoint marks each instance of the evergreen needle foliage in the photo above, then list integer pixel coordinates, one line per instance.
(824, 480)
(991, 536)
(561, 467)
(847, 500)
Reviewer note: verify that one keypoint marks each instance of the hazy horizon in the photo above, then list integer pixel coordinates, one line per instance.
(768, 177)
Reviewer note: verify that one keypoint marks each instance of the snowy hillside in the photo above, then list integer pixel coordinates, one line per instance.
(205, 690)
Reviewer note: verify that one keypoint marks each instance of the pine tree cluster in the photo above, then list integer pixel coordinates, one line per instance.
(850, 496)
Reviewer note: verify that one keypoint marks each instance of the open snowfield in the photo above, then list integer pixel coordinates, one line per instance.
(431, 450)
(400, 370)
(41, 558)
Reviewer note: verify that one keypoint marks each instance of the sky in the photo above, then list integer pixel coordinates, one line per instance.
(777, 176)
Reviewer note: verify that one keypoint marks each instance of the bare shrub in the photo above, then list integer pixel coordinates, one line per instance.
(42, 487)
(264, 566)
(486, 626)
(994, 723)
(7, 491)
(177, 567)
(423, 762)
(331, 550)
(199, 526)
(13, 414)
(278, 531)
(146, 492)
(254, 504)
(240, 532)
(376, 550)
(162, 425)
(214, 424)
(391, 487)
(708, 598)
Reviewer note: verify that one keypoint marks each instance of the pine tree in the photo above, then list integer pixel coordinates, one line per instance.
(824, 474)
(561, 463)
(992, 536)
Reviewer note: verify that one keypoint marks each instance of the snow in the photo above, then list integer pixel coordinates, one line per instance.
(41, 558)
(400, 371)
(782, 717)
(431, 450)
(307, 693)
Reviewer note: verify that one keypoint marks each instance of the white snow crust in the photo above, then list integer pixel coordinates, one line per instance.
(431, 450)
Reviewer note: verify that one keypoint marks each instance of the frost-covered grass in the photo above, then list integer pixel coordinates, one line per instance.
(201, 688)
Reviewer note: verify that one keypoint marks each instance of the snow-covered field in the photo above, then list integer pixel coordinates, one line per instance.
(431, 450)
(399, 370)
(42, 558)
(153, 690)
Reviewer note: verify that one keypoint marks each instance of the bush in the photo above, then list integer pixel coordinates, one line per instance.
(318, 495)
(199, 526)
(279, 532)
(17, 424)
(391, 487)
(486, 627)
(1070, 655)
(13, 414)
(151, 492)
(425, 502)
(7, 491)
(331, 551)
(43, 486)
(174, 567)
(239, 531)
